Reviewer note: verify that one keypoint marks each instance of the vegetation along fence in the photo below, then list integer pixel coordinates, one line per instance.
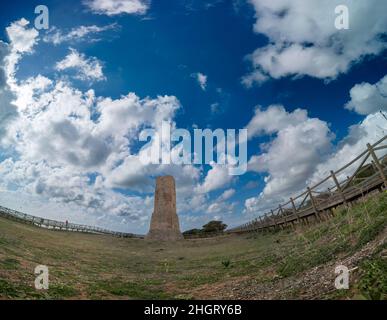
(369, 172)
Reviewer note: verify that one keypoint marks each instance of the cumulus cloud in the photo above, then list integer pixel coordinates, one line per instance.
(291, 158)
(115, 7)
(368, 98)
(370, 130)
(22, 39)
(56, 36)
(274, 119)
(217, 177)
(255, 77)
(303, 39)
(299, 145)
(221, 207)
(86, 68)
(227, 194)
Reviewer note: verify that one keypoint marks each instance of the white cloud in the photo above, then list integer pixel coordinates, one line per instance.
(21, 38)
(56, 36)
(368, 98)
(227, 194)
(221, 206)
(131, 112)
(201, 79)
(291, 158)
(303, 39)
(254, 77)
(115, 7)
(370, 130)
(217, 177)
(274, 119)
(86, 68)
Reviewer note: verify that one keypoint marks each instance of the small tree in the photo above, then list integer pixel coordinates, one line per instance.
(192, 232)
(214, 226)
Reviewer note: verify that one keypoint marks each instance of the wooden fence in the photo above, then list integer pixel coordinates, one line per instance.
(335, 190)
(60, 225)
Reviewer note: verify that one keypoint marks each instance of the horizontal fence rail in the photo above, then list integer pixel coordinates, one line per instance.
(60, 225)
(334, 190)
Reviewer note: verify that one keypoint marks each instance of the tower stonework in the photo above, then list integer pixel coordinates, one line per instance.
(165, 223)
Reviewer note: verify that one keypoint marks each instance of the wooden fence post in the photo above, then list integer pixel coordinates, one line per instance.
(260, 221)
(256, 225)
(266, 222)
(374, 166)
(377, 163)
(282, 213)
(313, 204)
(339, 188)
(275, 222)
(295, 209)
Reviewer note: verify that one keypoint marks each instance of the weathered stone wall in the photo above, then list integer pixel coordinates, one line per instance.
(165, 223)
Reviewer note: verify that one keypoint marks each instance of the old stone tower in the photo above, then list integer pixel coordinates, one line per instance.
(165, 223)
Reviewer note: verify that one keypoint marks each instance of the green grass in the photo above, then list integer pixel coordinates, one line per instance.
(373, 279)
(13, 290)
(9, 263)
(62, 291)
(7, 289)
(86, 266)
(348, 231)
(130, 290)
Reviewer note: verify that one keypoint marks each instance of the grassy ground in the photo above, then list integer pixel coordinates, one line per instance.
(86, 266)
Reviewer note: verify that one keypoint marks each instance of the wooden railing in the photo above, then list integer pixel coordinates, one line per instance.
(60, 225)
(330, 192)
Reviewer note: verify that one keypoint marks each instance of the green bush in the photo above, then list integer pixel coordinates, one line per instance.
(226, 263)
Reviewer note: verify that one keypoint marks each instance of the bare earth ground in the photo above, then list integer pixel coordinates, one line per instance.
(283, 265)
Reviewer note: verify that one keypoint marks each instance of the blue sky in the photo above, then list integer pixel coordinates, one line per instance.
(316, 94)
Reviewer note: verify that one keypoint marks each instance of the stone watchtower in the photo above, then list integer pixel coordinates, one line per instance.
(165, 223)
